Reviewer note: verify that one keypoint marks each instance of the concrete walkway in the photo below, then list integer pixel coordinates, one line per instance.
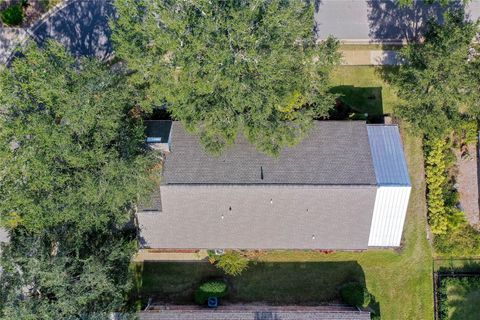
(369, 57)
(154, 255)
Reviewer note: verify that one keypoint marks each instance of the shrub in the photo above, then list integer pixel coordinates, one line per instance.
(463, 241)
(468, 131)
(216, 289)
(232, 263)
(13, 15)
(356, 295)
(436, 178)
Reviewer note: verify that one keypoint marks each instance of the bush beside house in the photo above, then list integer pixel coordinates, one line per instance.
(233, 263)
(217, 289)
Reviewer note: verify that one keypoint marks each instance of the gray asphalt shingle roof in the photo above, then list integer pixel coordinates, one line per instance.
(334, 153)
(260, 216)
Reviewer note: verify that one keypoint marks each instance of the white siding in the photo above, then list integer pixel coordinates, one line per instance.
(389, 216)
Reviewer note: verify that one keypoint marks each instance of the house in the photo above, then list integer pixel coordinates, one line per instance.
(382, 21)
(254, 312)
(344, 187)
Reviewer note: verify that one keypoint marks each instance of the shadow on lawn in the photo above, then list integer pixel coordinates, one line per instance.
(465, 300)
(358, 103)
(276, 283)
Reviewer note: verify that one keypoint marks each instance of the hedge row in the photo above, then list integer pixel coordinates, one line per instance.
(436, 178)
(442, 198)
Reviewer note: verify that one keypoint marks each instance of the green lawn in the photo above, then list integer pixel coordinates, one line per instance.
(364, 89)
(277, 282)
(462, 298)
(400, 281)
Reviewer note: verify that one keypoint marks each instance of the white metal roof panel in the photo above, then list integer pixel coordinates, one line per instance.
(387, 154)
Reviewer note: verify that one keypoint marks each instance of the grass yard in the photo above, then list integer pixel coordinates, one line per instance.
(364, 89)
(461, 298)
(400, 281)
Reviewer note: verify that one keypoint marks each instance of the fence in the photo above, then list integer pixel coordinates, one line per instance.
(452, 268)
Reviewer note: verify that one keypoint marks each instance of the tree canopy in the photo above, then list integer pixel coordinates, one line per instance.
(73, 166)
(52, 275)
(70, 152)
(440, 79)
(224, 67)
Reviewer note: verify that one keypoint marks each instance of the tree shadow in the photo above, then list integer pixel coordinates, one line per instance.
(391, 23)
(460, 266)
(81, 26)
(358, 103)
(464, 299)
(273, 283)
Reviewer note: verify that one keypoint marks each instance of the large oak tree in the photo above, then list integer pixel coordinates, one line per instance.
(224, 67)
(440, 78)
(73, 165)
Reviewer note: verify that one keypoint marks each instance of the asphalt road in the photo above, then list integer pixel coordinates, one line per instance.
(379, 20)
(81, 26)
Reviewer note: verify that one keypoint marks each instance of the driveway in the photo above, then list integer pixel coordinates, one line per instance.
(379, 21)
(81, 26)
